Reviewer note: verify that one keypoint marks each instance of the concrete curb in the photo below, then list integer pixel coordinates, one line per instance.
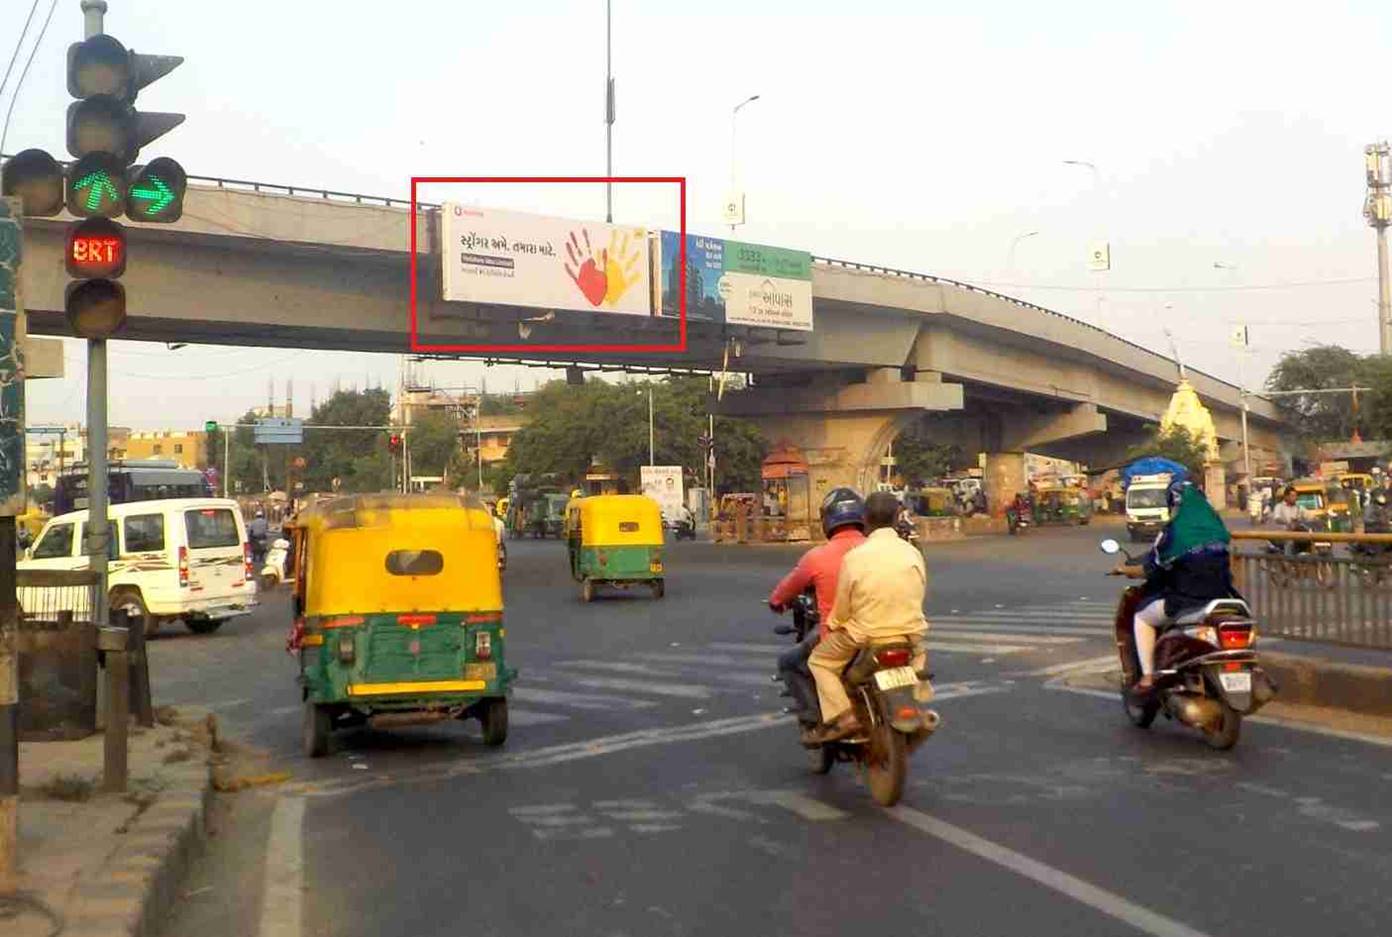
(1316, 682)
(145, 872)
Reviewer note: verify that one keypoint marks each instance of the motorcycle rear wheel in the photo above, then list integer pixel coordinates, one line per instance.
(1140, 714)
(886, 765)
(1226, 735)
(821, 759)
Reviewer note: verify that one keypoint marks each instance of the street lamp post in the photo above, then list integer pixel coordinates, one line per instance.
(733, 176)
(1378, 211)
(608, 110)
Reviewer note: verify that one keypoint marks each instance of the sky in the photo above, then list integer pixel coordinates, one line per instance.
(1227, 142)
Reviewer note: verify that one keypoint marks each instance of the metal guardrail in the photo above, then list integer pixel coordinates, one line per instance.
(55, 595)
(1338, 598)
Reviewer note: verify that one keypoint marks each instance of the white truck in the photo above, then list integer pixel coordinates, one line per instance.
(1146, 509)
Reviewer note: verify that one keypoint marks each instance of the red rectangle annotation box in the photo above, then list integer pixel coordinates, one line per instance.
(524, 347)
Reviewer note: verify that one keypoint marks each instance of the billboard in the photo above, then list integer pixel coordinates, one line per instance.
(737, 283)
(516, 259)
(663, 483)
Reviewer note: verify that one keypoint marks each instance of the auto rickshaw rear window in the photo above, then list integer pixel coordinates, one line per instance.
(415, 562)
(628, 527)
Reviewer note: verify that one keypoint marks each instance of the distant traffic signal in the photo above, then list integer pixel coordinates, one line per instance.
(394, 443)
(36, 179)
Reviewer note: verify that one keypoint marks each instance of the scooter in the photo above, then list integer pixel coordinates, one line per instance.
(885, 691)
(1016, 521)
(1207, 674)
(273, 567)
(682, 529)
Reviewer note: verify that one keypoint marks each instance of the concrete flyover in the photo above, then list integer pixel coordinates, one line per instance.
(319, 270)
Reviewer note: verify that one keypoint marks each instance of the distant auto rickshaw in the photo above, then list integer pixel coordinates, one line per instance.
(615, 540)
(1062, 504)
(1339, 508)
(1312, 496)
(936, 502)
(398, 615)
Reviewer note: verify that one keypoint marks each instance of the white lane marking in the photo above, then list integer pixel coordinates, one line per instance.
(1382, 741)
(949, 647)
(617, 666)
(696, 657)
(999, 635)
(1049, 622)
(677, 690)
(1099, 899)
(750, 648)
(281, 909)
(806, 807)
(228, 704)
(540, 809)
(577, 700)
(531, 717)
(597, 747)
(1071, 666)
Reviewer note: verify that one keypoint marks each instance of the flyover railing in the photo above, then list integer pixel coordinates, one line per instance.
(1330, 587)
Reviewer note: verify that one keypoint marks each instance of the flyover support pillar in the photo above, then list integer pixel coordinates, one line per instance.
(1003, 477)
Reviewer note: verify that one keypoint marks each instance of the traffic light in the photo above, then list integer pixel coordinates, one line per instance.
(104, 135)
(36, 179)
(210, 426)
(394, 443)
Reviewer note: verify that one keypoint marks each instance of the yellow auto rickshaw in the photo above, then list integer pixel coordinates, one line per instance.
(398, 609)
(615, 540)
(937, 502)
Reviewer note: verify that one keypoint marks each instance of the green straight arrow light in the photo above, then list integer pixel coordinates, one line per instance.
(160, 195)
(97, 183)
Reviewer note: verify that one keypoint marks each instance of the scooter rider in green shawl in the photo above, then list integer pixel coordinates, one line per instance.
(1187, 568)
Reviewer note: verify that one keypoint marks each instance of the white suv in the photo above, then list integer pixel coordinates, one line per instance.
(185, 558)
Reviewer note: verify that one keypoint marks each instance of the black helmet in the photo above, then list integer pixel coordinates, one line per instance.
(842, 507)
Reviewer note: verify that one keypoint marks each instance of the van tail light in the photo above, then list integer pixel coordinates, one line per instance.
(893, 657)
(183, 566)
(483, 645)
(246, 559)
(1232, 637)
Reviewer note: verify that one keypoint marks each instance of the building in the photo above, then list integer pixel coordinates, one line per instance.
(496, 434)
(47, 454)
(189, 449)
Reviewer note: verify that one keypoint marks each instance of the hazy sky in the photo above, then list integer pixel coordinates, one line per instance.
(919, 135)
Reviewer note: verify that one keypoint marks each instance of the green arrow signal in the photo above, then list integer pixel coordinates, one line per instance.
(96, 183)
(160, 196)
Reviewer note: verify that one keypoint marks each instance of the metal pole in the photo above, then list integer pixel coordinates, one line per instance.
(92, 13)
(608, 110)
(9, 712)
(97, 529)
(652, 446)
(1246, 450)
(478, 444)
(1384, 294)
(226, 460)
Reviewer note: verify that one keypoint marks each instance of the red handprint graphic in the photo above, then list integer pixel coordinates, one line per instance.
(587, 268)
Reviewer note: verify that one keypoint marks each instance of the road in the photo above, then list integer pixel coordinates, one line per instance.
(649, 786)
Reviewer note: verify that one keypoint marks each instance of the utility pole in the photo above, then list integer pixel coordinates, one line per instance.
(608, 111)
(1378, 210)
(13, 485)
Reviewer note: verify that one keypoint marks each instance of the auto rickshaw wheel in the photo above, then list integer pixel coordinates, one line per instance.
(659, 588)
(587, 590)
(494, 719)
(318, 726)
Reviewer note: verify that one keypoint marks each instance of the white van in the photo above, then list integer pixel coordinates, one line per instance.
(186, 558)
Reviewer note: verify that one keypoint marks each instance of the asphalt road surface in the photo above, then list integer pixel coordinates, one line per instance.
(651, 787)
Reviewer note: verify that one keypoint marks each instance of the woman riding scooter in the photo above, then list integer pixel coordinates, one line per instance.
(1187, 568)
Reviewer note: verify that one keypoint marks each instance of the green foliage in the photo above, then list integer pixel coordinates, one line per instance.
(500, 404)
(433, 440)
(1375, 407)
(1317, 416)
(920, 460)
(1175, 443)
(41, 494)
(359, 458)
(571, 425)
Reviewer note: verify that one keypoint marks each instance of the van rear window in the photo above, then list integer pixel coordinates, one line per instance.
(211, 527)
(414, 562)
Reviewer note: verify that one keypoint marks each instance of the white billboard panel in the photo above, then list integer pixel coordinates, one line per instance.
(663, 483)
(518, 259)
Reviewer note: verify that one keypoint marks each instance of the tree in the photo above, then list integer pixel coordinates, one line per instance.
(501, 404)
(41, 494)
(1375, 407)
(433, 440)
(359, 458)
(919, 459)
(1175, 443)
(1317, 416)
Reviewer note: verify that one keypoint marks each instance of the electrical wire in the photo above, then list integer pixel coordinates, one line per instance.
(19, 85)
(19, 43)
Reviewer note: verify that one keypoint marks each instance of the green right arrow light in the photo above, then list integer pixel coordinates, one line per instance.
(157, 193)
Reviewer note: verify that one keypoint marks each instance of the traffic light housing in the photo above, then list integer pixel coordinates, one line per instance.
(157, 192)
(210, 426)
(36, 178)
(96, 248)
(97, 186)
(95, 308)
(394, 443)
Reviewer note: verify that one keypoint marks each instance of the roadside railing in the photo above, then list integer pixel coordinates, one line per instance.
(54, 595)
(1330, 587)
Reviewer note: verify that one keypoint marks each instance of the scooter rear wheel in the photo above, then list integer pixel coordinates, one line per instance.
(1226, 735)
(1140, 714)
(821, 759)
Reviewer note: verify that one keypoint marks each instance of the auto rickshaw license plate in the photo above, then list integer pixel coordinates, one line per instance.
(654, 567)
(480, 671)
(895, 677)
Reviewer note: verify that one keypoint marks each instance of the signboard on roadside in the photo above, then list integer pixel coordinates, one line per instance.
(516, 259)
(663, 483)
(278, 432)
(737, 283)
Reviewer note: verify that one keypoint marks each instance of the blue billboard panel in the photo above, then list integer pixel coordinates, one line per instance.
(705, 265)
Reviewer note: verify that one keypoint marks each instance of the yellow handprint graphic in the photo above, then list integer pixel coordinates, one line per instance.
(620, 265)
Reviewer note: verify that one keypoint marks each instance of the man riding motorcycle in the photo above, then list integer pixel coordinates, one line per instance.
(257, 532)
(843, 522)
(1187, 568)
(879, 595)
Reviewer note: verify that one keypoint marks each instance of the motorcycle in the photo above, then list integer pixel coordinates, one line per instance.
(1207, 674)
(273, 565)
(1016, 521)
(1375, 559)
(682, 529)
(1287, 563)
(885, 691)
(907, 530)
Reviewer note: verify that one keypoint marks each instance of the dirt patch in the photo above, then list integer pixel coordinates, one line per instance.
(72, 788)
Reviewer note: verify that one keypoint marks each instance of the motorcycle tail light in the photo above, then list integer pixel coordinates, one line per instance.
(905, 713)
(483, 645)
(183, 566)
(1234, 637)
(246, 560)
(893, 657)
